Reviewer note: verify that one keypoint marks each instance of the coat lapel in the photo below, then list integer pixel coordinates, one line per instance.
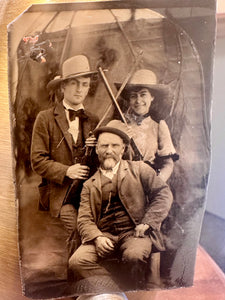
(96, 196)
(96, 180)
(122, 172)
(61, 120)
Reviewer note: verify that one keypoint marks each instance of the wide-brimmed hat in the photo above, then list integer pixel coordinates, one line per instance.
(73, 67)
(116, 127)
(143, 78)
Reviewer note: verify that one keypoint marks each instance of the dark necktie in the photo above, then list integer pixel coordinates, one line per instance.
(75, 113)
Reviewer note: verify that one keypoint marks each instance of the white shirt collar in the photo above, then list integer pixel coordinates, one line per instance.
(110, 173)
(67, 106)
(73, 125)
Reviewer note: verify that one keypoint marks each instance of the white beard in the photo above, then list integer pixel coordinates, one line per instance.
(109, 163)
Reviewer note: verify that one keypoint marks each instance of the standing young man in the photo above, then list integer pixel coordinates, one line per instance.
(59, 138)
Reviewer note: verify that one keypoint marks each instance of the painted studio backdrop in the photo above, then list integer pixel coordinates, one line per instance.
(176, 42)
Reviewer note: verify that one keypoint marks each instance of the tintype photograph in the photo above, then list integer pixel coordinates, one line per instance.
(110, 115)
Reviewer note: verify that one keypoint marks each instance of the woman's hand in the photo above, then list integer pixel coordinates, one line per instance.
(91, 141)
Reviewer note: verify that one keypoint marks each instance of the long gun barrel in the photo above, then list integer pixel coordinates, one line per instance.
(137, 154)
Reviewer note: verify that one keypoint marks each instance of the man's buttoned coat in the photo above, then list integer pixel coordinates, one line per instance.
(146, 198)
(52, 153)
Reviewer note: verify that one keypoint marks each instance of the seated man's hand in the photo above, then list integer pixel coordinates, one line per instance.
(78, 171)
(104, 246)
(91, 141)
(140, 230)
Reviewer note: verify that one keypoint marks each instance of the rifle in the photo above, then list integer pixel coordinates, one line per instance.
(75, 187)
(137, 60)
(137, 154)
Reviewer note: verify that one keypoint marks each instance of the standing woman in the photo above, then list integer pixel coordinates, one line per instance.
(152, 137)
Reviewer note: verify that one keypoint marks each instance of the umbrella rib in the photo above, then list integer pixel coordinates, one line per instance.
(51, 20)
(124, 33)
(66, 40)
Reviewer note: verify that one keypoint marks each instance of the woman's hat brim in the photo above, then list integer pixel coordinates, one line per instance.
(160, 88)
(54, 83)
(113, 130)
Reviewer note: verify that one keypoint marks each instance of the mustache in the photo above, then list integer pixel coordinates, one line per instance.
(108, 161)
(107, 156)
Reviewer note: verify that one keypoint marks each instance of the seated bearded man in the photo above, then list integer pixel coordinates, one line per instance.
(122, 207)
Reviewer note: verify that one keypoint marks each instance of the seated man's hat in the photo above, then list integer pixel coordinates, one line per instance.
(73, 67)
(116, 127)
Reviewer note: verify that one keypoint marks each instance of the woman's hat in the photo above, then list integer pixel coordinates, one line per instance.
(73, 67)
(143, 78)
(116, 127)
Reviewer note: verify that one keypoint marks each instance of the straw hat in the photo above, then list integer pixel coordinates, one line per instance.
(143, 78)
(116, 127)
(73, 67)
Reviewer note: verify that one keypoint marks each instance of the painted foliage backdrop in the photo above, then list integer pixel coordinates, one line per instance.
(112, 39)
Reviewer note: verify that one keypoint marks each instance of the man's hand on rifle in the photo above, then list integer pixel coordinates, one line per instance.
(78, 171)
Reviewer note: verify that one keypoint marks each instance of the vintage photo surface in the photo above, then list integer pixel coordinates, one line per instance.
(110, 112)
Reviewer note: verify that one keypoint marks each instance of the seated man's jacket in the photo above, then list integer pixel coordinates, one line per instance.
(146, 198)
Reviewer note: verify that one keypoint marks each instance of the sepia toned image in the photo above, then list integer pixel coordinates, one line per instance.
(110, 114)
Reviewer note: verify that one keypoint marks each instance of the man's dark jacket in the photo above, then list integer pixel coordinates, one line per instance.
(52, 154)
